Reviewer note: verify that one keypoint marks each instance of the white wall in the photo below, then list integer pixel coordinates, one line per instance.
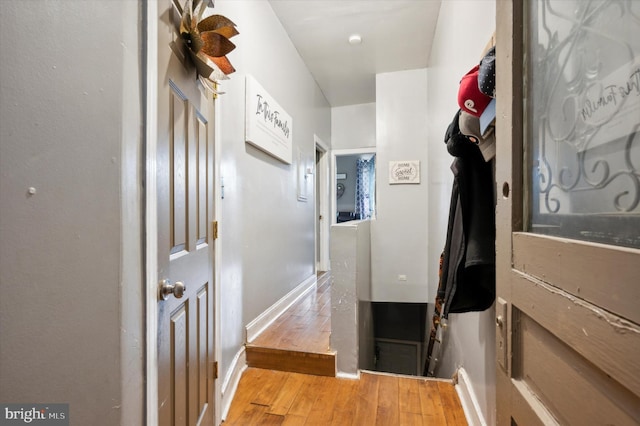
(456, 49)
(396, 126)
(71, 286)
(399, 234)
(267, 235)
(353, 126)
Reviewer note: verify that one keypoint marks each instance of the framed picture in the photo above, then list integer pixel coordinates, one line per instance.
(267, 126)
(404, 172)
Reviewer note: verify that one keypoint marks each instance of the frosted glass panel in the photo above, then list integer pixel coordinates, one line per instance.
(583, 115)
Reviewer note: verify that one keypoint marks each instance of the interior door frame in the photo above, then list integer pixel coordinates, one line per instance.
(322, 203)
(334, 181)
(151, 216)
(217, 215)
(150, 31)
(509, 186)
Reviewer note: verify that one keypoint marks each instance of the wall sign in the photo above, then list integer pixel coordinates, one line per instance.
(404, 172)
(267, 126)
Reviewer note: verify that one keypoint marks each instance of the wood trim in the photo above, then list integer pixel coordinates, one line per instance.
(509, 180)
(604, 275)
(150, 220)
(509, 111)
(508, 136)
(260, 323)
(604, 339)
(527, 409)
(217, 253)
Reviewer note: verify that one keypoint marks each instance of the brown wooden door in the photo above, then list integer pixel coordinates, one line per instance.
(568, 228)
(185, 235)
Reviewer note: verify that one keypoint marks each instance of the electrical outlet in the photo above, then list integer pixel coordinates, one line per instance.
(402, 277)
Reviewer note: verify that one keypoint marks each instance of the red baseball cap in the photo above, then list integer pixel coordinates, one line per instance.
(470, 98)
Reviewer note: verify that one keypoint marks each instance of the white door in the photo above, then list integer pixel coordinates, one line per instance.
(568, 212)
(186, 368)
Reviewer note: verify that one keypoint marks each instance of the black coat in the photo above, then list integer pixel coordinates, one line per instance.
(468, 270)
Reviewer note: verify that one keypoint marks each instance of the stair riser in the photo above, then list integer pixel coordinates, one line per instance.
(291, 361)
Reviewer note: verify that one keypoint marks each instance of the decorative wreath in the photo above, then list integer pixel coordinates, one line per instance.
(207, 42)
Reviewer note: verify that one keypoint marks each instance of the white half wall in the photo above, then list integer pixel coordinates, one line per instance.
(351, 284)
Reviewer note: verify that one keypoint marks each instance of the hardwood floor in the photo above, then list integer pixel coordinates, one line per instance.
(269, 397)
(298, 341)
(290, 380)
(305, 326)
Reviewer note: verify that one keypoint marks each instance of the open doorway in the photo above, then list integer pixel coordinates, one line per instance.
(322, 194)
(354, 188)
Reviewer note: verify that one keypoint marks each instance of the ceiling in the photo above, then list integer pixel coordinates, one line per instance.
(396, 35)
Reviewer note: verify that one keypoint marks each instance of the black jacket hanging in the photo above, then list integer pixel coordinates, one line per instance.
(468, 270)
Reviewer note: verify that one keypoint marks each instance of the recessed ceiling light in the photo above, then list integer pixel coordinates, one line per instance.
(355, 39)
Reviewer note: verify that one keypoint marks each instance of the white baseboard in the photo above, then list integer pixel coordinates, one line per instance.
(257, 326)
(468, 399)
(348, 376)
(230, 384)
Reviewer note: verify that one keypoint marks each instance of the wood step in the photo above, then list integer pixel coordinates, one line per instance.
(318, 364)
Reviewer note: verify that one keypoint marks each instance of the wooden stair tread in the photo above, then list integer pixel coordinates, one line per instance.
(298, 340)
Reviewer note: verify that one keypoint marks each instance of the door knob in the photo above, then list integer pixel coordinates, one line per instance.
(166, 288)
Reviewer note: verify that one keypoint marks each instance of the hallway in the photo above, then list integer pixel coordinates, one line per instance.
(273, 391)
(100, 126)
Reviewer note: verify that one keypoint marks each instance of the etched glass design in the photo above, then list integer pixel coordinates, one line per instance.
(583, 119)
